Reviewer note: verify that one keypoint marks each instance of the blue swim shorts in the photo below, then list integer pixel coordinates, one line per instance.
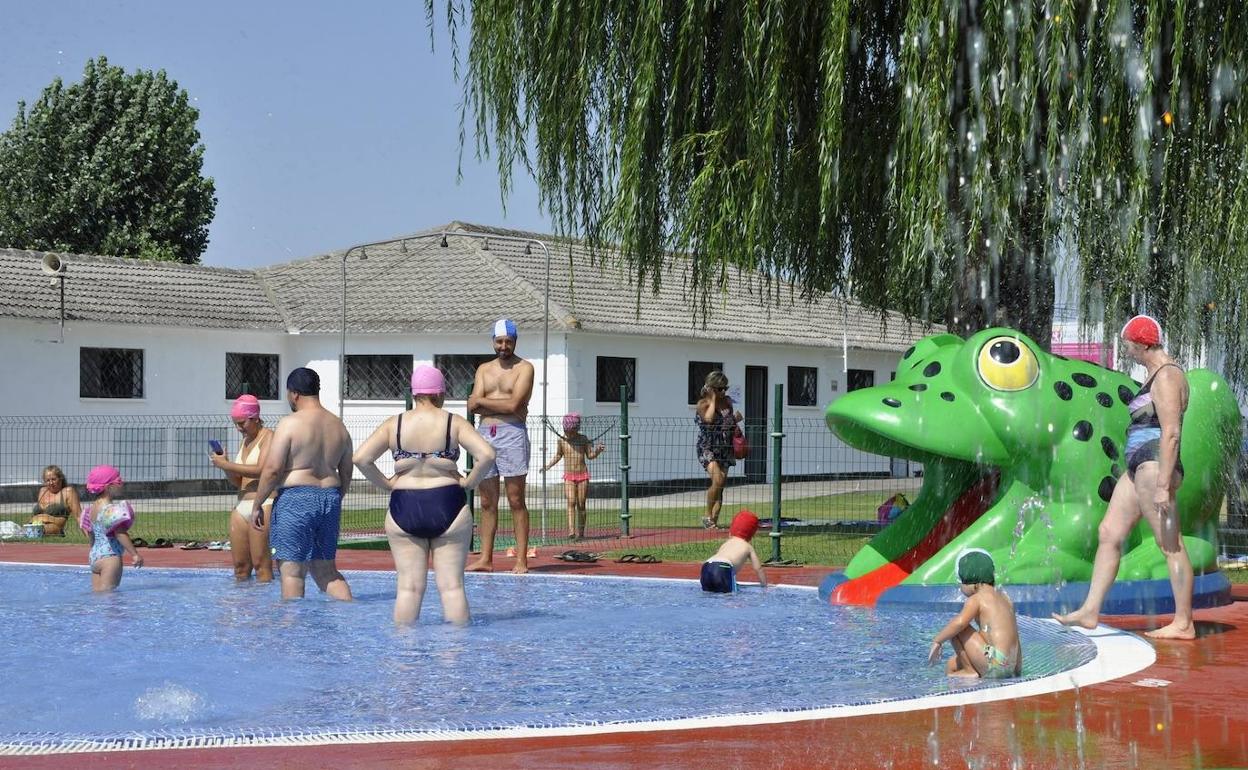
(718, 577)
(305, 523)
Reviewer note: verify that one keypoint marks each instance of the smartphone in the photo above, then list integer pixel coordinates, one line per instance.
(216, 446)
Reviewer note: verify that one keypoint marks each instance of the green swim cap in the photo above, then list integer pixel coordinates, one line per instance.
(975, 566)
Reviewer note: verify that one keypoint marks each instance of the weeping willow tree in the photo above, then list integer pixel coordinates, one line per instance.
(946, 158)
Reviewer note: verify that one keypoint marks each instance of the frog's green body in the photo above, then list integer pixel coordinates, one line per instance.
(1050, 433)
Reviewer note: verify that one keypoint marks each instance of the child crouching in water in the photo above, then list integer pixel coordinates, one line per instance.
(719, 573)
(105, 521)
(993, 651)
(575, 449)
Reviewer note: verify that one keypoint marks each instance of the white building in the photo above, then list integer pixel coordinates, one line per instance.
(144, 339)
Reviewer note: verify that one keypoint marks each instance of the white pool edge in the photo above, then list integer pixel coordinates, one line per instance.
(1118, 654)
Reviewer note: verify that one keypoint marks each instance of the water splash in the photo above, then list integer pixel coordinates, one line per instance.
(168, 703)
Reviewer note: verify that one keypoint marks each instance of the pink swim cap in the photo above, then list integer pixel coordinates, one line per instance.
(1143, 330)
(427, 381)
(245, 406)
(744, 525)
(101, 477)
(571, 422)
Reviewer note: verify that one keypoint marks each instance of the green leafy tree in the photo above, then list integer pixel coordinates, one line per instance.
(946, 158)
(109, 165)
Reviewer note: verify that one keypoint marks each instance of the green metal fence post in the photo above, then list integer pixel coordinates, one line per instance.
(624, 437)
(777, 468)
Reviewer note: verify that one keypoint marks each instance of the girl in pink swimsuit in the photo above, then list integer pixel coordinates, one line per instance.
(574, 449)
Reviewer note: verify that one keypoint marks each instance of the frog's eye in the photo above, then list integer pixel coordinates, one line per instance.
(1007, 364)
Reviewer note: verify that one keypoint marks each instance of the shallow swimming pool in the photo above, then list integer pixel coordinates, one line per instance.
(186, 657)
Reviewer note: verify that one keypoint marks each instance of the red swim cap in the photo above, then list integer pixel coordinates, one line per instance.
(744, 525)
(1142, 329)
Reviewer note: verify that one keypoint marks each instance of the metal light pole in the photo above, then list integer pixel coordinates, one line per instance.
(342, 350)
(442, 236)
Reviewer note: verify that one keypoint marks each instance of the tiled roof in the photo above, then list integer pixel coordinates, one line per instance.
(415, 285)
(603, 299)
(117, 290)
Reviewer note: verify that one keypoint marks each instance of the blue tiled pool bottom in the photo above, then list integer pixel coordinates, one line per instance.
(186, 657)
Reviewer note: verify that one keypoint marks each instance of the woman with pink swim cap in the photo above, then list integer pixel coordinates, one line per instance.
(1147, 489)
(574, 449)
(249, 546)
(105, 522)
(428, 515)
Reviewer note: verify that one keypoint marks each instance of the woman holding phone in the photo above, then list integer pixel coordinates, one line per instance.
(249, 546)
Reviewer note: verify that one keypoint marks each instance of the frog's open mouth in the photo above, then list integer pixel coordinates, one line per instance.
(950, 500)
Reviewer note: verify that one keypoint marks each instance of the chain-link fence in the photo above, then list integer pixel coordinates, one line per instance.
(830, 494)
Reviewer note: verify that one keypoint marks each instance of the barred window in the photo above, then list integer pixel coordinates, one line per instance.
(378, 378)
(254, 373)
(697, 377)
(857, 379)
(803, 386)
(460, 371)
(614, 372)
(110, 373)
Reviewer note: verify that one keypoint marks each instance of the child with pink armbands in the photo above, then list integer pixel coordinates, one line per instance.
(574, 449)
(106, 521)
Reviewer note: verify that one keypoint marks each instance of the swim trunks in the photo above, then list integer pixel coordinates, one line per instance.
(511, 449)
(718, 577)
(999, 664)
(576, 476)
(427, 513)
(305, 523)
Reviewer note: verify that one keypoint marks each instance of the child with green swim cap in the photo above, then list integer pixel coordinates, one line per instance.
(992, 651)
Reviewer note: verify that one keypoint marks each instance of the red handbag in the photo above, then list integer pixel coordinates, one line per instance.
(740, 444)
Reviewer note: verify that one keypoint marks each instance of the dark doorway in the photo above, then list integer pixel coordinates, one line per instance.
(756, 422)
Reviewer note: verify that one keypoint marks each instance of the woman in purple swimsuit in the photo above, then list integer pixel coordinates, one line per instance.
(1154, 473)
(428, 505)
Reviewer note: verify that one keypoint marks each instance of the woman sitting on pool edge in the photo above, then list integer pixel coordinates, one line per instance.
(56, 503)
(249, 546)
(428, 513)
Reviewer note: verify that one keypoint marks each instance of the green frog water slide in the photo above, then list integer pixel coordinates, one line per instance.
(1021, 450)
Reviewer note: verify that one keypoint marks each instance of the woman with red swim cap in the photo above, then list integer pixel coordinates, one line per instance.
(1154, 472)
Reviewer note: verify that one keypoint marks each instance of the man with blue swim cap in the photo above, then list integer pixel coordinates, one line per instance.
(500, 395)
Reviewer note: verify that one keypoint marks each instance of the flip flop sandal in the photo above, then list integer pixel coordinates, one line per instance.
(628, 558)
(139, 542)
(580, 557)
(161, 542)
(194, 545)
(649, 559)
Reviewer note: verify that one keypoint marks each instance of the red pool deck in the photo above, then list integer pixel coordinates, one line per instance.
(1188, 710)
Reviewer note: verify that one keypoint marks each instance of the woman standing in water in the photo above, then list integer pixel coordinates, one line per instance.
(249, 546)
(1154, 473)
(429, 513)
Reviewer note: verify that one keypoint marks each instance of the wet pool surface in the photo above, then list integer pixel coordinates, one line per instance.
(181, 654)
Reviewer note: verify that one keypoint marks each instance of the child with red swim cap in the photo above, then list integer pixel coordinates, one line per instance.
(719, 573)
